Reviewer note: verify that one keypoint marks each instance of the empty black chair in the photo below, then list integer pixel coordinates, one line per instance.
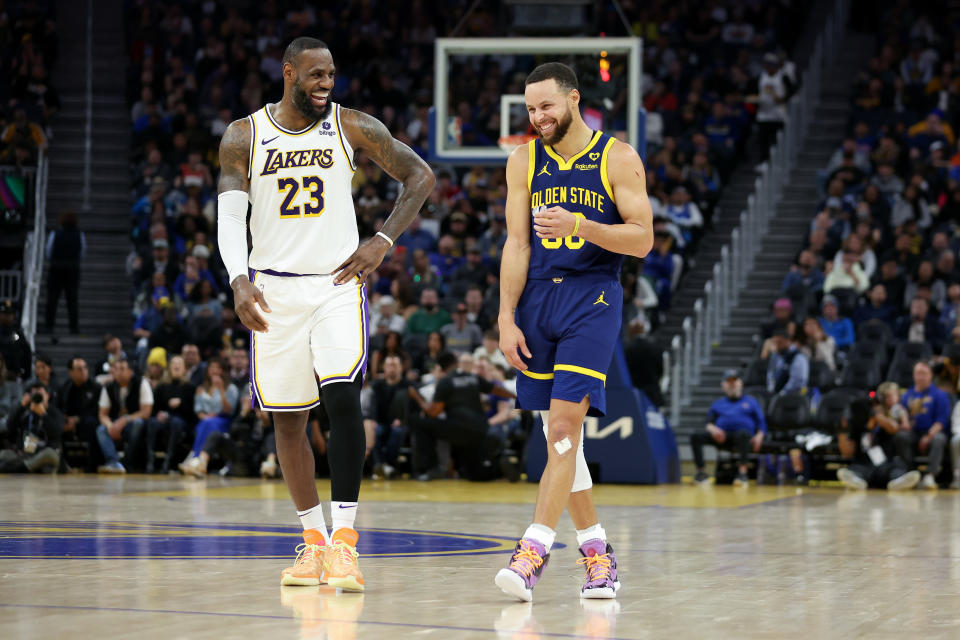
(905, 357)
(802, 299)
(756, 375)
(866, 349)
(415, 344)
(833, 406)
(875, 331)
(860, 373)
(788, 413)
(821, 376)
(760, 394)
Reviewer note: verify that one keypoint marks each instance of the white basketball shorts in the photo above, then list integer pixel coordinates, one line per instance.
(317, 333)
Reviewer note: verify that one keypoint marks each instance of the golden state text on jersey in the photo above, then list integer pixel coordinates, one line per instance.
(302, 218)
(581, 186)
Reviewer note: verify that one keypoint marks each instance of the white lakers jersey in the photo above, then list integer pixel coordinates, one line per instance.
(302, 218)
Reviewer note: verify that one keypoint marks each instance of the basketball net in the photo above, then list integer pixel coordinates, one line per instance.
(509, 143)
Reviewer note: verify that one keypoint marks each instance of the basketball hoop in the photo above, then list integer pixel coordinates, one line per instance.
(509, 143)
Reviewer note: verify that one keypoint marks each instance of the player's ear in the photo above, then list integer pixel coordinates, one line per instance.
(574, 96)
(289, 72)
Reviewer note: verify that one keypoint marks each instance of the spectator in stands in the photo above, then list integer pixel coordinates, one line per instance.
(803, 275)
(920, 325)
(248, 444)
(644, 360)
(43, 373)
(113, 349)
(10, 393)
(684, 213)
(170, 335)
(214, 404)
(158, 262)
(734, 421)
(34, 435)
(836, 326)
(21, 134)
(392, 346)
(816, 344)
(173, 413)
(125, 404)
(847, 274)
(887, 181)
(423, 274)
(196, 368)
(877, 308)
(476, 313)
(773, 91)
(430, 316)
(949, 317)
(150, 320)
(489, 350)
(14, 347)
(78, 404)
(156, 366)
(911, 205)
(782, 319)
(461, 336)
(385, 317)
(929, 410)
(867, 440)
(389, 414)
(788, 370)
(66, 248)
(892, 280)
(659, 266)
(924, 277)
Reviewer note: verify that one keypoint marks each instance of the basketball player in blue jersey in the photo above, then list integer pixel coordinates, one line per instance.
(293, 163)
(576, 204)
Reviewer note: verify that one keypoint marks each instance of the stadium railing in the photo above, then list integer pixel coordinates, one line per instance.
(690, 350)
(33, 253)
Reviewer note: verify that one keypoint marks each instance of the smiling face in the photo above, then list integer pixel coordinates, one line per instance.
(550, 109)
(310, 79)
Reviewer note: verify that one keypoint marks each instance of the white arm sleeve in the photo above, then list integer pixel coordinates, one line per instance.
(232, 231)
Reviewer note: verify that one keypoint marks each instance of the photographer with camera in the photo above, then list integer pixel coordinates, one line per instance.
(33, 432)
(867, 440)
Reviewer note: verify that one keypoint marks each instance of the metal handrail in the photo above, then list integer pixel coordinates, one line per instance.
(692, 350)
(33, 253)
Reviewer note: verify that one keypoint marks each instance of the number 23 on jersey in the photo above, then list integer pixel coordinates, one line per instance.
(314, 205)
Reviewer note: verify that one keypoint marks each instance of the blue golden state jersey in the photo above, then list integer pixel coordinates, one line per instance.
(579, 185)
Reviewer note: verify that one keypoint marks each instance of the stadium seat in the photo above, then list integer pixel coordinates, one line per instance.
(788, 413)
(833, 405)
(861, 373)
(866, 349)
(821, 376)
(906, 355)
(756, 373)
(875, 331)
(846, 300)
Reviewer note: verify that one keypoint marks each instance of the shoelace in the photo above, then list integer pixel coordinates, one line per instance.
(525, 560)
(345, 553)
(598, 566)
(306, 551)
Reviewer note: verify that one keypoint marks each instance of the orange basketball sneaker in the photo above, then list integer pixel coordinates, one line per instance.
(340, 562)
(307, 569)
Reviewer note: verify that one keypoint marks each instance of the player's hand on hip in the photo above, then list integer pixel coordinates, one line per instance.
(246, 297)
(511, 340)
(362, 262)
(554, 222)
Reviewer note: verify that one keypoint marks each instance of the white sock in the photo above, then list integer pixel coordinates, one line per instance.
(342, 515)
(542, 534)
(595, 532)
(313, 519)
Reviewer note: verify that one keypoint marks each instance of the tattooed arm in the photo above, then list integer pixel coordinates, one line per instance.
(232, 223)
(406, 167)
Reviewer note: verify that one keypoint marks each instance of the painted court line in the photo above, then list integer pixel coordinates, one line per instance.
(408, 625)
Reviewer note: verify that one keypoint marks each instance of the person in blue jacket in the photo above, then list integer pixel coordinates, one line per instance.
(835, 325)
(929, 410)
(733, 421)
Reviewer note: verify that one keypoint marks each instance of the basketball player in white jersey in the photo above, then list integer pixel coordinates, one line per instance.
(301, 290)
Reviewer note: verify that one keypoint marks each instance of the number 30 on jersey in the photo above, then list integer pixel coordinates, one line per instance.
(312, 208)
(570, 242)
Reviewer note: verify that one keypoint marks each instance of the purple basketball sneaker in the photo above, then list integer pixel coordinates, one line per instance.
(601, 565)
(523, 572)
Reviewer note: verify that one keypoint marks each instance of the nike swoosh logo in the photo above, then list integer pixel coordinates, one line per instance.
(269, 141)
(351, 506)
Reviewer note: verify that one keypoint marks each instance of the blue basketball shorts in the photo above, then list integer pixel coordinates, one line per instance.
(571, 326)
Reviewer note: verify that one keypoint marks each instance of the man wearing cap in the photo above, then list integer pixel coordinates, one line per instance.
(159, 262)
(788, 369)
(834, 325)
(461, 336)
(734, 421)
(14, 347)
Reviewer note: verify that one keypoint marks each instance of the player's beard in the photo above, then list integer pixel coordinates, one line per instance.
(563, 125)
(303, 103)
